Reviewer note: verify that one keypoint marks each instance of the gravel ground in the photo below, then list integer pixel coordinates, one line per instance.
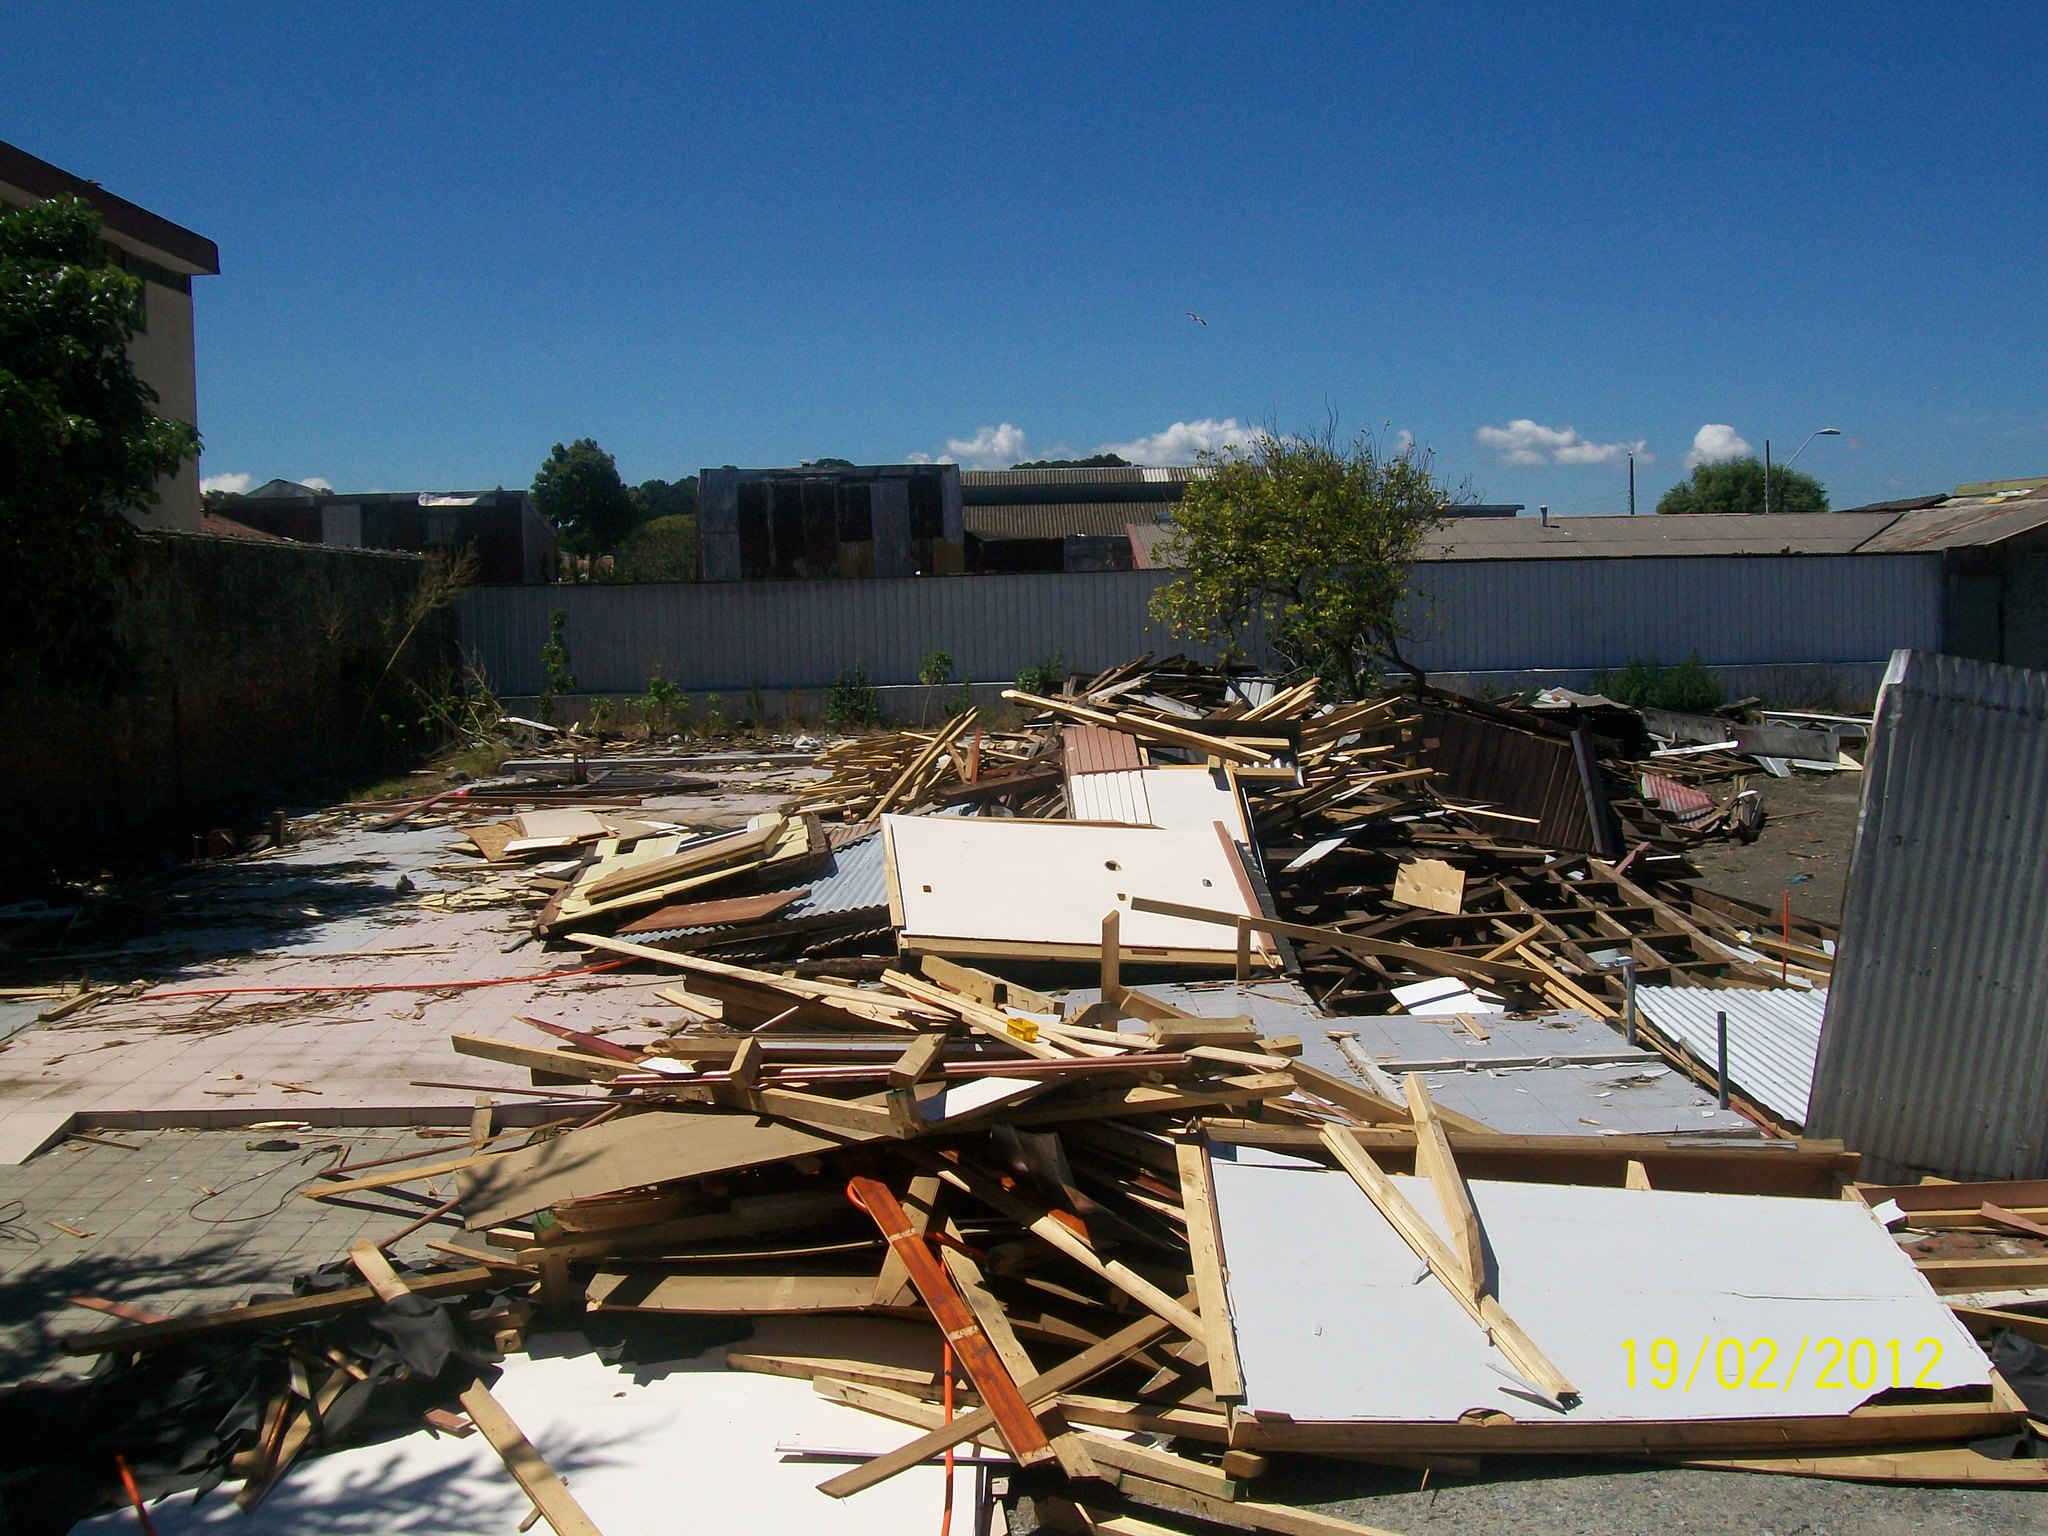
(1809, 831)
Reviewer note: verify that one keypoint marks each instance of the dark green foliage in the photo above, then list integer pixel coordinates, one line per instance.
(1688, 688)
(1737, 485)
(667, 498)
(1097, 461)
(853, 702)
(663, 707)
(936, 669)
(554, 663)
(828, 464)
(1044, 677)
(663, 550)
(1309, 536)
(79, 441)
(578, 490)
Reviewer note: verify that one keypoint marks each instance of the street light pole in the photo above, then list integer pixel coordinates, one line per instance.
(1822, 432)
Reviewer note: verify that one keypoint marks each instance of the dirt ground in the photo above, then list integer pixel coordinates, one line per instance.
(1809, 832)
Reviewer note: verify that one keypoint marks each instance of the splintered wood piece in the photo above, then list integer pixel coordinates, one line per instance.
(528, 1467)
(1062, 1237)
(1433, 1160)
(1021, 1429)
(1205, 1245)
(1112, 957)
(1092, 1361)
(1420, 1236)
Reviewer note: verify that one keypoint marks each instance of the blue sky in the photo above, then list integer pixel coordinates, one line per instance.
(1529, 236)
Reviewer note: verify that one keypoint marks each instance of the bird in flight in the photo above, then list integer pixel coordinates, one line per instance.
(1196, 318)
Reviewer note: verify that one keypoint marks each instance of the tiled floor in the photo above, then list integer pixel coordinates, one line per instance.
(340, 1056)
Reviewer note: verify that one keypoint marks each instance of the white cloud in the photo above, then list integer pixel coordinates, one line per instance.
(1184, 442)
(1523, 441)
(234, 485)
(989, 448)
(314, 482)
(1404, 440)
(1715, 441)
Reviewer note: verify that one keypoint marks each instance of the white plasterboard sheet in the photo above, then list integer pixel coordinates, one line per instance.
(560, 823)
(1340, 1328)
(1051, 882)
(1443, 994)
(637, 1447)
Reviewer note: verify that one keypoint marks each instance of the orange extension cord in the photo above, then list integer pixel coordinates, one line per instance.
(946, 1368)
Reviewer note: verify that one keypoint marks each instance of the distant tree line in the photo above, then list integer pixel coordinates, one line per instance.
(649, 530)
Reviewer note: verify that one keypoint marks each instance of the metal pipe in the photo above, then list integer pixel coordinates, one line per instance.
(1628, 982)
(1721, 1055)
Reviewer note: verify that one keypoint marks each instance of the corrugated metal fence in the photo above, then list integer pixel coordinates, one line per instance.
(1934, 1058)
(1467, 616)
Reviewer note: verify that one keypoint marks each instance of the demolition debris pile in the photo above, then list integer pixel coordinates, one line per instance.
(978, 1037)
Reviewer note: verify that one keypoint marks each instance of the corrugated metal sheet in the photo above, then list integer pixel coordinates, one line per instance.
(1466, 616)
(1056, 520)
(1772, 1037)
(973, 480)
(1934, 1058)
(1965, 521)
(1503, 615)
(1609, 538)
(855, 881)
(1554, 779)
(1111, 796)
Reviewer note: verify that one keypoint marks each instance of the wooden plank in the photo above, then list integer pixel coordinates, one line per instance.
(1091, 1362)
(1205, 1247)
(1501, 1330)
(630, 1153)
(1433, 1160)
(292, 1309)
(2013, 1221)
(2013, 1194)
(370, 1262)
(918, 1061)
(1059, 1235)
(1436, 961)
(1020, 1427)
(528, 1467)
(755, 1294)
(1948, 1275)
(1356, 1099)
(539, 1058)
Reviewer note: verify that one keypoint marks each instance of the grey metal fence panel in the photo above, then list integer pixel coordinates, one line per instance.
(1933, 1056)
(1468, 616)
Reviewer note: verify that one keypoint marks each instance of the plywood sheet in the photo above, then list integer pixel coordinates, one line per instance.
(1051, 882)
(1430, 884)
(1335, 1325)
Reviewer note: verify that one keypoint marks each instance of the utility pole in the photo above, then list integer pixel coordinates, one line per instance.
(1767, 477)
(1631, 484)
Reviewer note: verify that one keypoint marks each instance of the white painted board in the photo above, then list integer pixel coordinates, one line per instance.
(646, 1451)
(1337, 1320)
(1051, 882)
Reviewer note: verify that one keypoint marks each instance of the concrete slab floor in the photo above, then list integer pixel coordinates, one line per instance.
(183, 1221)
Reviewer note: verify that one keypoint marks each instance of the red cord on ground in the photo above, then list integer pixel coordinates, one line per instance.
(134, 1495)
(946, 1369)
(385, 986)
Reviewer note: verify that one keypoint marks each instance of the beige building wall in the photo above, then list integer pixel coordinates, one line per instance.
(163, 351)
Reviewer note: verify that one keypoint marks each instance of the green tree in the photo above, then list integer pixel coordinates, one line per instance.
(662, 550)
(578, 490)
(80, 442)
(1737, 485)
(1094, 461)
(667, 498)
(1309, 538)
